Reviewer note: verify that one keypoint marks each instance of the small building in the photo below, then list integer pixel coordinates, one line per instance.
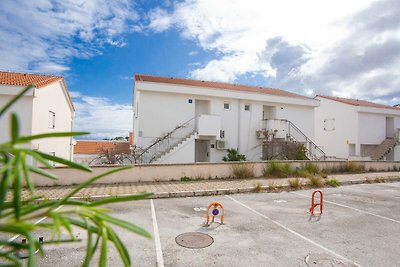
(100, 152)
(182, 120)
(357, 129)
(46, 108)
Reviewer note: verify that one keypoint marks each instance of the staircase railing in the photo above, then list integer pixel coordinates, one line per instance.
(294, 134)
(166, 142)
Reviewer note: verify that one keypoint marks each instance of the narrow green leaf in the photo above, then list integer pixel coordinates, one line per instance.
(12, 101)
(103, 251)
(42, 172)
(124, 224)
(11, 258)
(122, 251)
(27, 139)
(7, 176)
(17, 189)
(14, 128)
(36, 156)
(28, 180)
(91, 180)
(114, 199)
(64, 162)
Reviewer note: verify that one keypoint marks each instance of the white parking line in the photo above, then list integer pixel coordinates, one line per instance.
(352, 208)
(293, 232)
(160, 259)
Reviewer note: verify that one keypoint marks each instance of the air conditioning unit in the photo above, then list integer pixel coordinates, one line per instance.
(260, 134)
(221, 144)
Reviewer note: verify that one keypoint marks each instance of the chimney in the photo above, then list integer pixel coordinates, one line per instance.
(130, 139)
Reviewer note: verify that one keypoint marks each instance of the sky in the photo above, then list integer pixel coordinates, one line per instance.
(339, 48)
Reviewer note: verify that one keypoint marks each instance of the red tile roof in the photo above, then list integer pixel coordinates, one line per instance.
(97, 147)
(218, 85)
(356, 102)
(24, 79)
(37, 80)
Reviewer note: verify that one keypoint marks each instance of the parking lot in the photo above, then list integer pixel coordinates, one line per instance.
(360, 226)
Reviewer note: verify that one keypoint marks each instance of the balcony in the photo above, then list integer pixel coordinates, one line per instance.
(208, 125)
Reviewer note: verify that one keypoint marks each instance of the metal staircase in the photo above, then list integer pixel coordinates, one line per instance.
(384, 148)
(168, 141)
(285, 130)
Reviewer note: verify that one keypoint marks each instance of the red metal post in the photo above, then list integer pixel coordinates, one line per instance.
(314, 205)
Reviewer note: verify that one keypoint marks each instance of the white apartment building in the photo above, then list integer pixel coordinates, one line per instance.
(46, 108)
(357, 129)
(182, 120)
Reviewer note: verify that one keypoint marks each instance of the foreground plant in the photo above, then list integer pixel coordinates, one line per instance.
(17, 215)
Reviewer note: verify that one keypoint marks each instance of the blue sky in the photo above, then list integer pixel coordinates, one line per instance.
(341, 48)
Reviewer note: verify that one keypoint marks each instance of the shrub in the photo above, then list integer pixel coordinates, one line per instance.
(316, 181)
(352, 167)
(294, 183)
(332, 182)
(276, 169)
(271, 186)
(243, 170)
(258, 187)
(185, 178)
(18, 215)
(300, 153)
(233, 155)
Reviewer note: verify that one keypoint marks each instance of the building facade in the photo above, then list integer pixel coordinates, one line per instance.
(46, 108)
(357, 129)
(182, 120)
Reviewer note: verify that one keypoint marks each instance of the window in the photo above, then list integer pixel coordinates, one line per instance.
(227, 106)
(247, 107)
(52, 163)
(329, 124)
(52, 120)
(190, 101)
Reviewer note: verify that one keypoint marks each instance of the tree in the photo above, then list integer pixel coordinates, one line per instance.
(17, 214)
(233, 155)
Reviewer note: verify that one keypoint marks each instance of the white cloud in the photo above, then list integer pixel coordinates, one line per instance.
(101, 117)
(43, 35)
(318, 35)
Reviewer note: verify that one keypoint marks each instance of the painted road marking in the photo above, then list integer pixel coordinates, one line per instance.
(160, 259)
(352, 208)
(293, 232)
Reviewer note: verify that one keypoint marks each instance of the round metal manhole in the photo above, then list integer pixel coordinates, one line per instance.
(194, 240)
(326, 260)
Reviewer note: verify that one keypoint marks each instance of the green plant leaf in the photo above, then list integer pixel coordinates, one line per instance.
(14, 128)
(103, 251)
(42, 172)
(27, 139)
(12, 101)
(122, 251)
(17, 189)
(124, 224)
(25, 170)
(91, 180)
(114, 199)
(65, 162)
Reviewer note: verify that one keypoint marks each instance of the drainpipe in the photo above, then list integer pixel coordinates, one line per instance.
(238, 135)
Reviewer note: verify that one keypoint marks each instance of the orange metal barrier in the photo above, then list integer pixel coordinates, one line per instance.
(215, 212)
(314, 205)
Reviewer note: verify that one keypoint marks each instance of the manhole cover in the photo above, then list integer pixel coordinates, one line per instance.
(326, 260)
(194, 240)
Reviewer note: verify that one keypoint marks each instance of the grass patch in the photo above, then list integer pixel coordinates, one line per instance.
(271, 186)
(185, 179)
(280, 170)
(332, 182)
(243, 170)
(379, 180)
(258, 187)
(294, 183)
(316, 181)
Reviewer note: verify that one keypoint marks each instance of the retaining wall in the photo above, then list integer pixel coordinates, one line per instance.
(168, 172)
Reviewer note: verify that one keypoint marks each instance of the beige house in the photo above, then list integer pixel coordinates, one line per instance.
(46, 108)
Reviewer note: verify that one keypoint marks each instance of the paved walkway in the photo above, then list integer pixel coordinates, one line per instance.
(201, 188)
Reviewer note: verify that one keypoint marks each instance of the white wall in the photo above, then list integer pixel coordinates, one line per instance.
(372, 128)
(184, 153)
(52, 98)
(23, 109)
(161, 107)
(335, 142)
